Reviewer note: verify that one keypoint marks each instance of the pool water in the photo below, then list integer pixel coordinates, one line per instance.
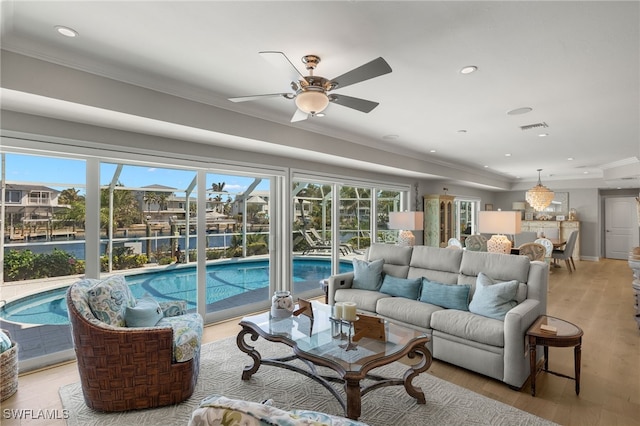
(224, 281)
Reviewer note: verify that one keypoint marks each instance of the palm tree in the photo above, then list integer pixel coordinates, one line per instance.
(69, 195)
(218, 187)
(150, 198)
(162, 201)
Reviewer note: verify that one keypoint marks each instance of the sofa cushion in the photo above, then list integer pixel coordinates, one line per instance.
(109, 299)
(503, 267)
(407, 311)
(146, 313)
(365, 300)
(435, 264)
(469, 326)
(367, 275)
(451, 296)
(187, 334)
(396, 258)
(492, 298)
(401, 287)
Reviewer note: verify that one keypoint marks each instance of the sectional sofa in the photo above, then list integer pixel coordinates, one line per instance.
(474, 306)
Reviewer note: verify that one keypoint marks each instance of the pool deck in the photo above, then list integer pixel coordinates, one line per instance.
(49, 344)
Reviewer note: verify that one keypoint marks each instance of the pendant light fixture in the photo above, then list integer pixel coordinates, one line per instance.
(539, 197)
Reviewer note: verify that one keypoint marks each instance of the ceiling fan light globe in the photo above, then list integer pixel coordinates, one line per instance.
(312, 102)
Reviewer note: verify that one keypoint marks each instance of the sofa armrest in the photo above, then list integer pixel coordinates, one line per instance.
(516, 323)
(337, 282)
(173, 308)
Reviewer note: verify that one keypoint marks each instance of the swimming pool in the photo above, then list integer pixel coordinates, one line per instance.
(229, 284)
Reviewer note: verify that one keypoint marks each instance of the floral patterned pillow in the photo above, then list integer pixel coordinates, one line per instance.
(218, 410)
(109, 299)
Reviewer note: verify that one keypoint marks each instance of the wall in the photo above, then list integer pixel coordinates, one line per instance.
(588, 204)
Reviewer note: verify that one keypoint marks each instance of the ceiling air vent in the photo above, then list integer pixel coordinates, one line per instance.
(534, 126)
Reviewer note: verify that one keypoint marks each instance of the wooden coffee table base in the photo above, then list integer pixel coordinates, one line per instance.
(351, 402)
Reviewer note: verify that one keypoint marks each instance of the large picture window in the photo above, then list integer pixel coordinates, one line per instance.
(177, 232)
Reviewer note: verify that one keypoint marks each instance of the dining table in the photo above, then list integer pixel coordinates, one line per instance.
(557, 242)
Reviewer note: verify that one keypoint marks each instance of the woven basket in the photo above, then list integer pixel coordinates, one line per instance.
(8, 371)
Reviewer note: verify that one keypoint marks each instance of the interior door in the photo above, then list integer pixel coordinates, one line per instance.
(621, 226)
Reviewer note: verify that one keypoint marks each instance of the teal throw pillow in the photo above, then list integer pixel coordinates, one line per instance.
(367, 275)
(5, 342)
(454, 296)
(146, 313)
(402, 287)
(493, 299)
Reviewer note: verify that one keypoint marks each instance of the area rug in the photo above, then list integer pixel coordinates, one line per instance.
(220, 371)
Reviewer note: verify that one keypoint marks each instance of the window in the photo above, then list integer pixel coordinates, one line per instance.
(39, 198)
(466, 213)
(13, 197)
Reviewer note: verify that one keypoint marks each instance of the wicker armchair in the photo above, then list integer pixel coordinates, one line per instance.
(476, 243)
(128, 368)
(534, 251)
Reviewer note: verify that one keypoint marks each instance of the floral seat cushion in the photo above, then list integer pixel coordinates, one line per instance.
(187, 335)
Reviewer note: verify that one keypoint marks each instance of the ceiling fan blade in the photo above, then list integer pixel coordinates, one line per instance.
(256, 97)
(355, 103)
(280, 61)
(372, 69)
(299, 116)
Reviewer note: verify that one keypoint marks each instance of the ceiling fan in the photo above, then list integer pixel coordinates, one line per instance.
(311, 93)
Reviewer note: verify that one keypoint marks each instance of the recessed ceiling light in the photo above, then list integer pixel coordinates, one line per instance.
(433, 150)
(570, 159)
(507, 155)
(543, 135)
(520, 111)
(468, 69)
(390, 137)
(586, 173)
(486, 167)
(66, 31)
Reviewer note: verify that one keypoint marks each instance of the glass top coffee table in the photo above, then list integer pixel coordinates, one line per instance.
(351, 351)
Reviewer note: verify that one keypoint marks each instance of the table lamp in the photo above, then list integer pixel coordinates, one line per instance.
(406, 222)
(499, 223)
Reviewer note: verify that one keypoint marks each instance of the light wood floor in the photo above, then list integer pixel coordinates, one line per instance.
(597, 297)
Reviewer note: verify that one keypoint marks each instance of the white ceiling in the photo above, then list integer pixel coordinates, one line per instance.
(577, 64)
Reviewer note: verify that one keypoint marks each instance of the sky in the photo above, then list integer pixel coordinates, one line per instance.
(60, 173)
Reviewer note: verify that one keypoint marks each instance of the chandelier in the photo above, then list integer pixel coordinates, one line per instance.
(539, 197)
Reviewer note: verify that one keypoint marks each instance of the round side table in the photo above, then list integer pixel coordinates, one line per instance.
(566, 335)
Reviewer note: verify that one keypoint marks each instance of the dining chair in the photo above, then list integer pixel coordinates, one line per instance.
(533, 251)
(476, 243)
(566, 254)
(523, 237)
(552, 233)
(454, 242)
(548, 245)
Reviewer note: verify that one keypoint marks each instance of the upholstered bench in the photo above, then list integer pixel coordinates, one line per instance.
(216, 410)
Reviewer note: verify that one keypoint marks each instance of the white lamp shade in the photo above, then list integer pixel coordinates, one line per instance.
(499, 222)
(311, 101)
(406, 220)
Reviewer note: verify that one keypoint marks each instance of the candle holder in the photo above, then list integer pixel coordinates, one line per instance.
(336, 329)
(350, 345)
